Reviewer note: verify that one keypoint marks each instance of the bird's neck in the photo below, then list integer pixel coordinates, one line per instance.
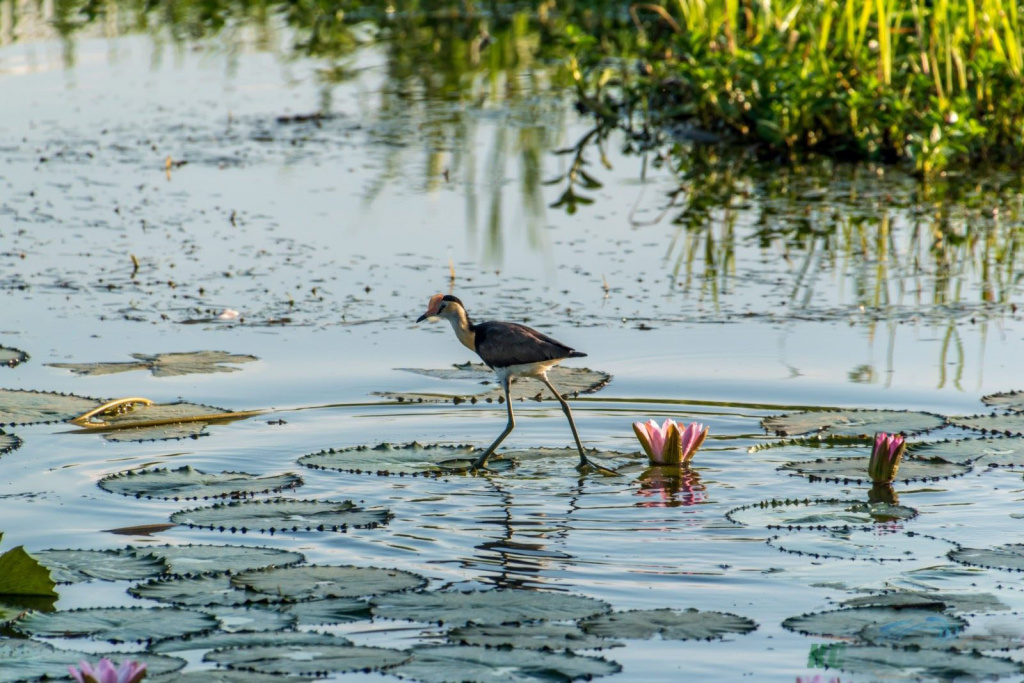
(463, 328)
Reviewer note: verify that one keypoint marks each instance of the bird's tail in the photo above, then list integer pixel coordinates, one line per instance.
(577, 354)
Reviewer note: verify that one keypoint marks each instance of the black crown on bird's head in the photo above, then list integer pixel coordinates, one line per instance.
(454, 299)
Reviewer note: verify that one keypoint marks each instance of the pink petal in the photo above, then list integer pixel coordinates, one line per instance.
(657, 435)
(76, 674)
(894, 445)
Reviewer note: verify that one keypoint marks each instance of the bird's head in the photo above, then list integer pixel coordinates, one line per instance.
(442, 306)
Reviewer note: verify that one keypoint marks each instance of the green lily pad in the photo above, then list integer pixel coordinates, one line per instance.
(186, 483)
(306, 660)
(486, 607)
(72, 566)
(860, 544)
(855, 469)
(818, 514)
(852, 422)
(436, 664)
(888, 624)
(199, 591)
(116, 624)
(23, 575)
(541, 636)
(670, 624)
(256, 617)
(327, 581)
(401, 459)
(1006, 400)
(216, 641)
(160, 422)
(899, 663)
(29, 660)
(1009, 557)
(282, 514)
(33, 407)
(165, 364)
(969, 603)
(8, 442)
(1011, 424)
(156, 665)
(998, 452)
(166, 432)
(569, 381)
(12, 357)
(330, 611)
(224, 676)
(200, 559)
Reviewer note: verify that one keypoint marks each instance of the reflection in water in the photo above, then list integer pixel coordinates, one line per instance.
(670, 487)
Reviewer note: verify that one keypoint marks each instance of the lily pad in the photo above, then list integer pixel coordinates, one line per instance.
(215, 641)
(998, 452)
(161, 421)
(224, 676)
(1011, 424)
(251, 618)
(855, 469)
(852, 422)
(327, 581)
(156, 665)
(72, 566)
(401, 459)
(32, 407)
(330, 611)
(164, 432)
(436, 664)
(186, 483)
(306, 660)
(116, 624)
(670, 624)
(541, 636)
(965, 602)
(859, 544)
(569, 381)
(29, 660)
(453, 608)
(165, 364)
(23, 575)
(8, 442)
(199, 559)
(282, 514)
(199, 591)
(888, 624)
(1006, 400)
(818, 514)
(12, 357)
(1009, 557)
(898, 663)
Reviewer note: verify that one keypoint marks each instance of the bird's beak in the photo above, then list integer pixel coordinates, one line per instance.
(423, 317)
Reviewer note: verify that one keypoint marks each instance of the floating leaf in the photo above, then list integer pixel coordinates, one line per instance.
(1008, 425)
(224, 676)
(818, 514)
(486, 607)
(327, 581)
(330, 611)
(306, 660)
(12, 357)
(165, 364)
(22, 574)
(670, 624)
(411, 458)
(140, 529)
(164, 432)
(72, 566)
(199, 591)
(282, 514)
(998, 452)
(29, 660)
(31, 407)
(437, 664)
(972, 603)
(251, 618)
(859, 544)
(542, 636)
(199, 559)
(186, 483)
(887, 623)
(852, 422)
(855, 469)
(116, 624)
(1006, 400)
(156, 665)
(1009, 557)
(8, 442)
(157, 421)
(569, 381)
(216, 641)
(898, 663)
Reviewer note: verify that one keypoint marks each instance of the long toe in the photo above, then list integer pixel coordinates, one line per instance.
(586, 465)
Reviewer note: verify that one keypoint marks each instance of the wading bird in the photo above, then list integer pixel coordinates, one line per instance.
(511, 350)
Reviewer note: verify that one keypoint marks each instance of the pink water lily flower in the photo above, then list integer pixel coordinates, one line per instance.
(104, 672)
(669, 444)
(885, 457)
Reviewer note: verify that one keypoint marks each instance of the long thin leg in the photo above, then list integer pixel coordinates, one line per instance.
(482, 460)
(584, 460)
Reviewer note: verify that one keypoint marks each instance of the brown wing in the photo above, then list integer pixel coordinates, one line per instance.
(504, 344)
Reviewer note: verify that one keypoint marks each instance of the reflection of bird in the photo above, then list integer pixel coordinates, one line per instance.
(510, 350)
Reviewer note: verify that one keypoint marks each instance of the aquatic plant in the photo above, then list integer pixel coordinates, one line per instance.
(885, 457)
(668, 444)
(129, 672)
